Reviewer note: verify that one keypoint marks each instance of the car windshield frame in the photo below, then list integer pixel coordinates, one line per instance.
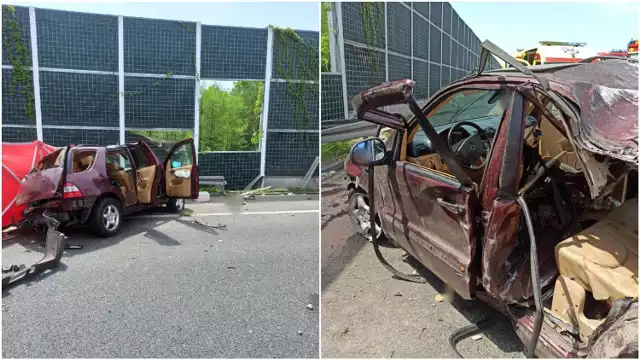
(458, 114)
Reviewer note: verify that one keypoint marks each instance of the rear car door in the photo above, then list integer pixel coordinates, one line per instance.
(181, 171)
(147, 173)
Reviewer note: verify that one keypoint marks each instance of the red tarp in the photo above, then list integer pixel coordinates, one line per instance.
(17, 160)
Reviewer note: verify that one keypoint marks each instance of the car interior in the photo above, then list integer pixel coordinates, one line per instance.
(146, 172)
(82, 160)
(480, 107)
(119, 167)
(52, 160)
(595, 250)
(178, 172)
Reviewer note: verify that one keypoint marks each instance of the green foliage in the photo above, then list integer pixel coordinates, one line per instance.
(373, 26)
(325, 56)
(292, 53)
(19, 58)
(230, 120)
(336, 150)
(163, 135)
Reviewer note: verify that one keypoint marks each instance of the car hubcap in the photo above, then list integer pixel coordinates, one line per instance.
(359, 215)
(179, 204)
(110, 217)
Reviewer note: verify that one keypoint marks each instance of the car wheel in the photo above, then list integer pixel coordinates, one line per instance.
(175, 205)
(107, 217)
(358, 210)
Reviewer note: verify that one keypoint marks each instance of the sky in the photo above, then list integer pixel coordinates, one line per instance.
(297, 15)
(512, 25)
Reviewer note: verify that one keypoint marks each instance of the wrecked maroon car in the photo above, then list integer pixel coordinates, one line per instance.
(517, 187)
(97, 186)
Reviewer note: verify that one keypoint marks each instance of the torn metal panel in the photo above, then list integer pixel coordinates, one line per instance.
(606, 94)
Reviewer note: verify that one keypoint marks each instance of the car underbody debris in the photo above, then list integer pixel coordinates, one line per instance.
(55, 244)
(617, 336)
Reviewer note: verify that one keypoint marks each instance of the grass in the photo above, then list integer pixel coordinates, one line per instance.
(337, 149)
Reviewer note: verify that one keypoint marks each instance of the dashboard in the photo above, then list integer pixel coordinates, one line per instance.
(421, 145)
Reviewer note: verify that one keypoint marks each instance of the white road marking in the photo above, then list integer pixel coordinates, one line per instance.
(282, 212)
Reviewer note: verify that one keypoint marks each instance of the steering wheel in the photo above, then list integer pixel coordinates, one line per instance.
(473, 148)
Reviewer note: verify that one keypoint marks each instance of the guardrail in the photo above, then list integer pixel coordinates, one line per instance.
(349, 131)
(336, 130)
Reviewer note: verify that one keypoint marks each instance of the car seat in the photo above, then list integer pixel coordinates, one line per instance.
(124, 180)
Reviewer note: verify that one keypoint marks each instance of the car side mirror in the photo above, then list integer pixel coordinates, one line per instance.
(369, 152)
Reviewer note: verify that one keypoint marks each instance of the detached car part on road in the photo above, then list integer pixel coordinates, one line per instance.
(99, 185)
(517, 187)
(54, 246)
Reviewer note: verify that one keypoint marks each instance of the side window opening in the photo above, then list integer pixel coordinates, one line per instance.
(118, 160)
(50, 161)
(140, 157)
(83, 160)
(182, 156)
(481, 107)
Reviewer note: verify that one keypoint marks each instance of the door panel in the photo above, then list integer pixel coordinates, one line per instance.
(179, 181)
(181, 171)
(144, 185)
(436, 224)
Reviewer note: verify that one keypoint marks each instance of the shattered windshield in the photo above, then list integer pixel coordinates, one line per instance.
(467, 105)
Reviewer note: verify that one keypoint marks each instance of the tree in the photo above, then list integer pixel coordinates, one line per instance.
(325, 61)
(230, 120)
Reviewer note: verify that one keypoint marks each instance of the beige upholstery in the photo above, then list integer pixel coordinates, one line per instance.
(125, 181)
(177, 186)
(82, 161)
(86, 160)
(431, 161)
(553, 142)
(604, 258)
(146, 176)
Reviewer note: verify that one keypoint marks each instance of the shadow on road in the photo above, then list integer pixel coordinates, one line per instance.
(501, 333)
(30, 280)
(33, 242)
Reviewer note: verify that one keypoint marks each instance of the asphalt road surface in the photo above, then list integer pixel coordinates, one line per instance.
(368, 314)
(170, 287)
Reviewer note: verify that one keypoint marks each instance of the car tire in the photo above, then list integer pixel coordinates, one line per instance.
(176, 205)
(354, 194)
(107, 217)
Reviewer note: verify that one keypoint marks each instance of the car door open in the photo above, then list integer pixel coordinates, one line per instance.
(181, 171)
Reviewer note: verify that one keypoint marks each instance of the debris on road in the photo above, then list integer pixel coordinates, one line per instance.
(398, 294)
(476, 337)
(439, 298)
(53, 253)
(219, 226)
(251, 195)
(299, 332)
(309, 306)
(68, 247)
(231, 267)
